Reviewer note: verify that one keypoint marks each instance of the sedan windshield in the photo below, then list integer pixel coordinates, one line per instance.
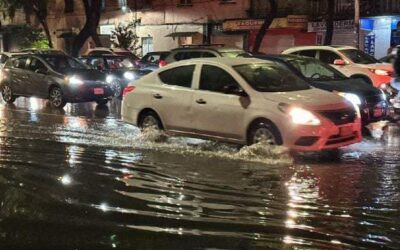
(315, 70)
(61, 63)
(266, 77)
(358, 56)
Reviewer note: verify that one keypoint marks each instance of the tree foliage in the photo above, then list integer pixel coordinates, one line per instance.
(28, 37)
(37, 7)
(124, 36)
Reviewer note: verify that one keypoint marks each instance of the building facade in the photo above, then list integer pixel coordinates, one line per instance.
(167, 24)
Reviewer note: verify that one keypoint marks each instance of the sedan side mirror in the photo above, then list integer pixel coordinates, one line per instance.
(233, 89)
(339, 62)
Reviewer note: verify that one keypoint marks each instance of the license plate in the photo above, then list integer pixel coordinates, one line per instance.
(378, 112)
(98, 91)
(346, 131)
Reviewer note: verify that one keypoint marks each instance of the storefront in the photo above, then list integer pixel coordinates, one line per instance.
(283, 33)
(343, 32)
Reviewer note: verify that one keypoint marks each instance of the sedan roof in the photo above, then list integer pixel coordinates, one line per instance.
(222, 60)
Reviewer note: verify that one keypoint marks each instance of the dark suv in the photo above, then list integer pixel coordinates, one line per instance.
(198, 51)
(56, 77)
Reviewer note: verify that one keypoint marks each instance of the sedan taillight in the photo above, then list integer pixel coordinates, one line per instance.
(127, 90)
(162, 63)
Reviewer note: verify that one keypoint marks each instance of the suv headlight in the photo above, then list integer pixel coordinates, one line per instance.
(353, 98)
(129, 76)
(75, 80)
(109, 79)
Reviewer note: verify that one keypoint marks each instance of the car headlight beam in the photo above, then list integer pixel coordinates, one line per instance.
(353, 98)
(303, 117)
(109, 79)
(75, 80)
(129, 76)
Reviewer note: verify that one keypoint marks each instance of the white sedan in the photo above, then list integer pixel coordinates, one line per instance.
(243, 101)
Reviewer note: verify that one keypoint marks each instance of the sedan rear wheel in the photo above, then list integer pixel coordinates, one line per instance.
(8, 95)
(56, 98)
(150, 120)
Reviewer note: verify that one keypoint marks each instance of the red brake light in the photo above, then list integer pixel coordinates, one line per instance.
(127, 90)
(162, 63)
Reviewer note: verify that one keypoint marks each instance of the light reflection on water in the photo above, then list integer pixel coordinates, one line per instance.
(90, 182)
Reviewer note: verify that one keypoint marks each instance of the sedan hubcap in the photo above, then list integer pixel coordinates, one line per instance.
(7, 94)
(56, 97)
(117, 88)
(150, 122)
(264, 135)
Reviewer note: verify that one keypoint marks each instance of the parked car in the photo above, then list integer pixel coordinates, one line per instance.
(350, 61)
(201, 51)
(42, 51)
(112, 51)
(59, 78)
(371, 101)
(242, 101)
(120, 70)
(153, 60)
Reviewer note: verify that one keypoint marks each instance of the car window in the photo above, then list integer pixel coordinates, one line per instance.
(215, 79)
(265, 77)
(208, 54)
(97, 63)
(35, 65)
(307, 53)
(119, 63)
(179, 76)
(18, 62)
(234, 53)
(62, 63)
(187, 55)
(3, 58)
(358, 56)
(328, 57)
(151, 58)
(315, 70)
(99, 52)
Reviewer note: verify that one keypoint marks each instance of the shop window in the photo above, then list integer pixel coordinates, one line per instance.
(185, 3)
(69, 6)
(122, 3)
(226, 1)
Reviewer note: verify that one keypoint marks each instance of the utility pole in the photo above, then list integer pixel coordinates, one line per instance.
(357, 21)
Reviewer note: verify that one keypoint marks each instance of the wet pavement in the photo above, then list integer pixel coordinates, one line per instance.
(79, 178)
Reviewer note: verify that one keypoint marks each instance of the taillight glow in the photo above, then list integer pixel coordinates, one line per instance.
(162, 63)
(127, 90)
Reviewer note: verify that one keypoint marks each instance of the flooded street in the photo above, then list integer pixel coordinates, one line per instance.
(82, 179)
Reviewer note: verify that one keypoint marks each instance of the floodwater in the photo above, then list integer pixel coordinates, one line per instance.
(82, 179)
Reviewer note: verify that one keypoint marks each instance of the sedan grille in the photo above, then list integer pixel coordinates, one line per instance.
(340, 117)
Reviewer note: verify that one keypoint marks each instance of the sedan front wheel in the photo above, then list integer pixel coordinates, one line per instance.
(8, 95)
(264, 132)
(56, 98)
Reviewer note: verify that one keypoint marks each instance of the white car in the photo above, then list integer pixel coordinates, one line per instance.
(242, 101)
(350, 61)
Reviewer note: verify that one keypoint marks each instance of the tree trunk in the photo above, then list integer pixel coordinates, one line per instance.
(92, 12)
(329, 22)
(269, 18)
(45, 26)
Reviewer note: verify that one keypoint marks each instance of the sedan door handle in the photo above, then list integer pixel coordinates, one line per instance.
(157, 96)
(201, 101)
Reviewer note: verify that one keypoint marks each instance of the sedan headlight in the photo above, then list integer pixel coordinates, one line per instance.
(353, 98)
(381, 72)
(303, 117)
(129, 76)
(75, 80)
(109, 79)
